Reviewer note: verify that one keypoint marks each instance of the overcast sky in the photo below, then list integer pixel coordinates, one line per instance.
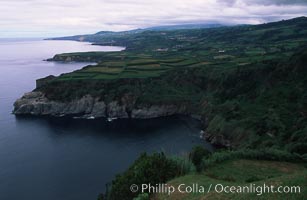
(45, 18)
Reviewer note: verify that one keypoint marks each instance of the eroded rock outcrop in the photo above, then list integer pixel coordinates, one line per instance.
(36, 103)
(218, 140)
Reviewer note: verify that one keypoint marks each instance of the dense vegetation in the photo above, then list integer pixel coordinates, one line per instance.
(235, 168)
(156, 168)
(249, 84)
(241, 171)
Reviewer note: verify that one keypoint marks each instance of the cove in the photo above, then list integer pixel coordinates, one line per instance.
(64, 158)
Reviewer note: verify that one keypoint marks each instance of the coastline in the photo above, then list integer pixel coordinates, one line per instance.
(89, 108)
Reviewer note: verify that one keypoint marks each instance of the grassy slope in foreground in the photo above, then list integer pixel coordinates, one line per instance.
(243, 173)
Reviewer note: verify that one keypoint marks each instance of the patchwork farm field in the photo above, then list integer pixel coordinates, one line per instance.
(225, 48)
(123, 65)
(128, 67)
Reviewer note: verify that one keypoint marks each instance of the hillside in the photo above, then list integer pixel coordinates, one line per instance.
(234, 39)
(247, 82)
(243, 173)
(264, 173)
(97, 37)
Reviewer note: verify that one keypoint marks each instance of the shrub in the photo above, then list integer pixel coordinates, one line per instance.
(153, 169)
(100, 197)
(144, 196)
(300, 148)
(184, 165)
(196, 156)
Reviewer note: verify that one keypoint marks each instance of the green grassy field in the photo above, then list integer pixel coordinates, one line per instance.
(218, 47)
(148, 66)
(128, 67)
(243, 173)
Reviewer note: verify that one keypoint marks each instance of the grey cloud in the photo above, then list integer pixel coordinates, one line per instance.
(277, 2)
(87, 16)
(265, 2)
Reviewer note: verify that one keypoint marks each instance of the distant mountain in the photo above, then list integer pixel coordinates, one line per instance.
(93, 37)
(183, 26)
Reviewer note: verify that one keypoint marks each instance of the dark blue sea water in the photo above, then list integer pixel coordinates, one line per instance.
(66, 159)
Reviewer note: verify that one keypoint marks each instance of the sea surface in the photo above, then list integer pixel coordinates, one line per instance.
(70, 159)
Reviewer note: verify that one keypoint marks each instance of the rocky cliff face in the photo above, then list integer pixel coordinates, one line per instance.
(216, 140)
(35, 103)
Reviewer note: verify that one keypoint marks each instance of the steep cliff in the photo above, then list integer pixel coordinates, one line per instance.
(259, 105)
(36, 103)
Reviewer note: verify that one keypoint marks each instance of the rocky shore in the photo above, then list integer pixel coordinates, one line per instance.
(35, 103)
(88, 107)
